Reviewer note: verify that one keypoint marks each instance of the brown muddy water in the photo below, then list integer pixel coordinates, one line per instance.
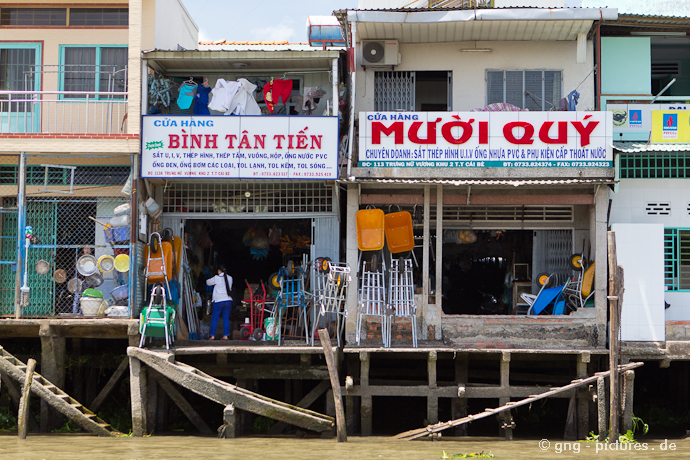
(59, 447)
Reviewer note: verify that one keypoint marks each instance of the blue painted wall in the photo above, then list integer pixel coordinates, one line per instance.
(626, 65)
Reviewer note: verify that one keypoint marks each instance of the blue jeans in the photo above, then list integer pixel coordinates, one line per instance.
(218, 308)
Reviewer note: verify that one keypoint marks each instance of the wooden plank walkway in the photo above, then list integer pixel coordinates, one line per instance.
(57, 398)
(438, 427)
(225, 393)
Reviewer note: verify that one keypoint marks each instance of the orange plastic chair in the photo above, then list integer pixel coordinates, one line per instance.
(399, 232)
(155, 262)
(370, 229)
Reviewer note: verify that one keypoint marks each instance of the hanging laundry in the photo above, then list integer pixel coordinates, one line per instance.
(276, 89)
(244, 102)
(223, 93)
(573, 97)
(186, 95)
(201, 99)
(311, 93)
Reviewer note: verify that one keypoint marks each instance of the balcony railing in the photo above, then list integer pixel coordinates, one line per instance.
(63, 112)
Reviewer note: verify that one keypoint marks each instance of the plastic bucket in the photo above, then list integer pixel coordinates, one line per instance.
(90, 305)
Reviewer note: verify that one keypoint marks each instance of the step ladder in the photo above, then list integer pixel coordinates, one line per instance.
(61, 401)
(225, 393)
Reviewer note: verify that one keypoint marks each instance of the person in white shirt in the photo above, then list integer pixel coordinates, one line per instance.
(222, 301)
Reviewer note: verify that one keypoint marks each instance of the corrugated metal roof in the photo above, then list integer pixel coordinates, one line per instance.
(458, 182)
(639, 147)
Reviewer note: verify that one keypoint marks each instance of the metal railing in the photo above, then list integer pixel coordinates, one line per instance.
(63, 112)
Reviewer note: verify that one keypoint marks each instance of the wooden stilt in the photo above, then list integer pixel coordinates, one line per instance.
(330, 411)
(53, 369)
(16, 397)
(23, 418)
(615, 290)
(325, 339)
(570, 432)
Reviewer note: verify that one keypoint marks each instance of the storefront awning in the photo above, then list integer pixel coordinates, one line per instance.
(497, 182)
(491, 24)
(638, 147)
(238, 58)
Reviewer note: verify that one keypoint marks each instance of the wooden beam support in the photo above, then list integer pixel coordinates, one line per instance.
(325, 339)
(184, 406)
(23, 418)
(110, 385)
(304, 403)
(16, 397)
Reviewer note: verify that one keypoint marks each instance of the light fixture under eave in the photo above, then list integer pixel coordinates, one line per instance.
(239, 65)
(476, 50)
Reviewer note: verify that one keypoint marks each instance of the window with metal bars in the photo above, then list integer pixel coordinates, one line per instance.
(677, 259)
(249, 197)
(421, 91)
(83, 175)
(672, 165)
(93, 68)
(528, 89)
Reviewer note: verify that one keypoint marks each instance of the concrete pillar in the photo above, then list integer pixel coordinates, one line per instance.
(53, 369)
(432, 401)
(231, 421)
(353, 368)
(628, 392)
(138, 393)
(582, 397)
(367, 402)
(601, 408)
(351, 255)
(330, 411)
(424, 326)
(434, 317)
(459, 405)
(598, 237)
(152, 402)
(505, 378)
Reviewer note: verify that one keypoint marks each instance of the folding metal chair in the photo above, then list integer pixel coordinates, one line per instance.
(372, 302)
(158, 319)
(401, 297)
(330, 294)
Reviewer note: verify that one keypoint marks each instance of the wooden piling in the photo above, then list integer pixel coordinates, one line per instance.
(325, 339)
(628, 391)
(615, 290)
(23, 418)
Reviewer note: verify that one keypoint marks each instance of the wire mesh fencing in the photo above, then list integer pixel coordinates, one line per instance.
(78, 214)
(9, 166)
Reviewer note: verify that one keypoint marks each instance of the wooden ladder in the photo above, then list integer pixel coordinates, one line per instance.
(225, 393)
(61, 401)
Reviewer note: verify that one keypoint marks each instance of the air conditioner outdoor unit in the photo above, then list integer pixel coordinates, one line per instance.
(380, 52)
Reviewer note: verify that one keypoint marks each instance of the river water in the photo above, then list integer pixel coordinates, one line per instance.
(69, 447)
